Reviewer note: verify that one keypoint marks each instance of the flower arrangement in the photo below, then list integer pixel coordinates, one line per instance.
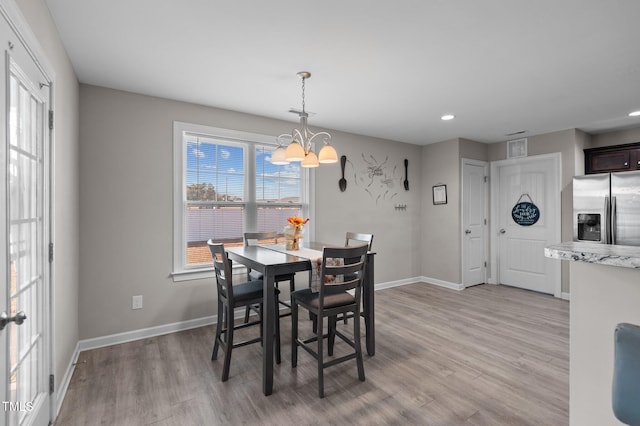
(297, 221)
(293, 232)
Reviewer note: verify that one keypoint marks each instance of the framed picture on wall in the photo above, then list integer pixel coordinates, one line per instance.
(439, 194)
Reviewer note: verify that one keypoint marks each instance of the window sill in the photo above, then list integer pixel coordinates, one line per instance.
(202, 273)
(195, 274)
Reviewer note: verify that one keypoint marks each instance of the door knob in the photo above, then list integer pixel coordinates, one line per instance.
(502, 231)
(467, 231)
(6, 319)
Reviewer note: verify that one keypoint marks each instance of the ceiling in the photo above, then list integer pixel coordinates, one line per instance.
(387, 69)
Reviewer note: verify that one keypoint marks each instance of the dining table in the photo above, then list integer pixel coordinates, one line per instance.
(273, 260)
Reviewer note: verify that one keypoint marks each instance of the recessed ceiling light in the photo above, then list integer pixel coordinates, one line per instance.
(447, 117)
(634, 114)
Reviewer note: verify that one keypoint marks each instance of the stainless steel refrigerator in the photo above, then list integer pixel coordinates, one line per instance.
(606, 208)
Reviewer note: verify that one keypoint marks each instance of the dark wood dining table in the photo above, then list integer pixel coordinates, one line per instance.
(271, 262)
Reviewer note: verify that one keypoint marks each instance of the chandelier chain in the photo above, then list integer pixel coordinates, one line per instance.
(303, 79)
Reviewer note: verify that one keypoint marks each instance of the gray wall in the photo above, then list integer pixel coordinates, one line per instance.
(126, 166)
(66, 194)
(615, 138)
(440, 225)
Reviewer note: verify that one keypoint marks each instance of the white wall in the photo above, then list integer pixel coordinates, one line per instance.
(126, 167)
(66, 193)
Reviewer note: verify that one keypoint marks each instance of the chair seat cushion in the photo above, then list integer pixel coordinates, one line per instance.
(247, 291)
(310, 298)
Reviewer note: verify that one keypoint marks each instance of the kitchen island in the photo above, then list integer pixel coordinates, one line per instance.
(605, 290)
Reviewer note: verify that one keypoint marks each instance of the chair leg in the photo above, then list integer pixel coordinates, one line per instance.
(277, 330)
(332, 334)
(216, 341)
(356, 341)
(260, 313)
(320, 357)
(227, 352)
(294, 333)
(246, 314)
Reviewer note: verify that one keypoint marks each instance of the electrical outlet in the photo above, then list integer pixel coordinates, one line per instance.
(136, 302)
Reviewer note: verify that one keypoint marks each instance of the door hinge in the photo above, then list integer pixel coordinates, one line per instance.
(486, 178)
(485, 221)
(50, 119)
(50, 252)
(52, 383)
(485, 264)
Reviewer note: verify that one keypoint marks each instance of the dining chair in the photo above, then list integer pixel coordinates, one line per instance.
(342, 269)
(255, 238)
(354, 237)
(359, 239)
(230, 297)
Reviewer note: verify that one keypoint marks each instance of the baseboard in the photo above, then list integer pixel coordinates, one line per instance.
(63, 385)
(441, 283)
(565, 296)
(398, 283)
(144, 333)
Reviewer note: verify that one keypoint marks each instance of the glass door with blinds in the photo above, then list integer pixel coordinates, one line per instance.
(24, 300)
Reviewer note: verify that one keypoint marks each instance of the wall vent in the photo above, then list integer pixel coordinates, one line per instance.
(517, 148)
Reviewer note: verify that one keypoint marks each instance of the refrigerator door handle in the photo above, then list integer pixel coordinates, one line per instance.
(614, 225)
(605, 226)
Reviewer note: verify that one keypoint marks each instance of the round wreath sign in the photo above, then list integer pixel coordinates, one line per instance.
(525, 213)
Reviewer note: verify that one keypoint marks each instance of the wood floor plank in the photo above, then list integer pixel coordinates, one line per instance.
(488, 355)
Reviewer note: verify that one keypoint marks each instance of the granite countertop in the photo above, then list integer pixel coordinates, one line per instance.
(603, 254)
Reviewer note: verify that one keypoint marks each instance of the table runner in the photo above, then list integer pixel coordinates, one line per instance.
(315, 256)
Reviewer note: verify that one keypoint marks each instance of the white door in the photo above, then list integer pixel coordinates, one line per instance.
(474, 221)
(24, 236)
(520, 258)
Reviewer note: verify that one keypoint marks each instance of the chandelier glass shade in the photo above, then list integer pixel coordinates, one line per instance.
(300, 147)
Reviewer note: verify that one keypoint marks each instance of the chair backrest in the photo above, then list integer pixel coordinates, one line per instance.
(254, 238)
(359, 239)
(222, 267)
(342, 270)
(626, 373)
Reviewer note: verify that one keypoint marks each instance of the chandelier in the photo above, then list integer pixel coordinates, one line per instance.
(300, 148)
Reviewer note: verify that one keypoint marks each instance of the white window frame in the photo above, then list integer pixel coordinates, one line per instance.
(182, 272)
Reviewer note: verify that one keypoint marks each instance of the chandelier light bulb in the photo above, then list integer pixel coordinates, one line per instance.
(310, 160)
(294, 152)
(279, 156)
(328, 155)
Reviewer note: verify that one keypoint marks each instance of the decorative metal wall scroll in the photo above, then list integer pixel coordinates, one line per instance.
(377, 178)
(525, 213)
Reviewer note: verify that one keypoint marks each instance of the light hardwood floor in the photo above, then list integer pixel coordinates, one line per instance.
(488, 355)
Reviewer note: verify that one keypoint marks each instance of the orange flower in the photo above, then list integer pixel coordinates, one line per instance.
(297, 221)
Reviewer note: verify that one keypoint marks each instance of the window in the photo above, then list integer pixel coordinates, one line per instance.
(224, 185)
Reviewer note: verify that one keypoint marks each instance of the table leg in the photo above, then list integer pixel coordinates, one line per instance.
(369, 307)
(268, 322)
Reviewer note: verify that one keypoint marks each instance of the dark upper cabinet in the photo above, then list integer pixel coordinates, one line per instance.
(618, 158)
